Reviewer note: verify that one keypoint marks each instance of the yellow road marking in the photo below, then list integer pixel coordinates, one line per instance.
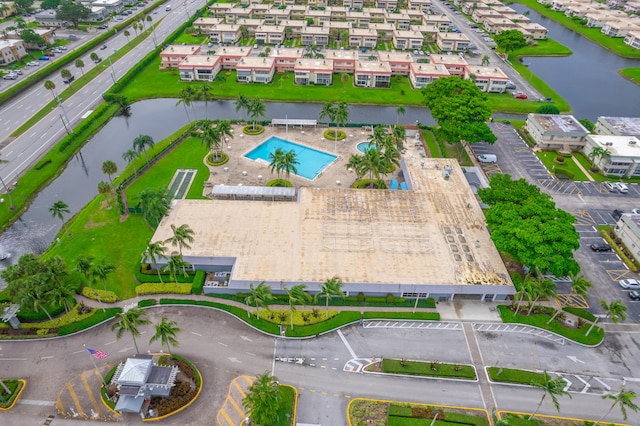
(236, 406)
(95, 404)
(75, 399)
(226, 417)
(239, 388)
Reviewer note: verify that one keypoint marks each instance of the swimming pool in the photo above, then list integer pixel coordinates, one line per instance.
(312, 161)
(365, 146)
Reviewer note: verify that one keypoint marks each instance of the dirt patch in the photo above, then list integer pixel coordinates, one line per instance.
(91, 224)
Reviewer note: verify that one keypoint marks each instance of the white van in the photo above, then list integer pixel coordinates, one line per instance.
(168, 8)
(622, 187)
(487, 158)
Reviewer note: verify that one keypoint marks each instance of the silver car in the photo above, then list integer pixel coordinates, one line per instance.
(629, 284)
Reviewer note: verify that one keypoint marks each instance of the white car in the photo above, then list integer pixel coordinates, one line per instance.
(629, 284)
(33, 64)
(635, 211)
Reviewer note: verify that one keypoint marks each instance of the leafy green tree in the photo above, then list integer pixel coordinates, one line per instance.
(297, 296)
(262, 401)
(331, 287)
(79, 63)
(109, 168)
(94, 57)
(256, 109)
(154, 203)
(58, 210)
(260, 296)
(30, 37)
(141, 143)
(460, 108)
(510, 40)
(614, 310)
(68, 10)
(130, 322)
(181, 236)
(105, 188)
(130, 156)
(185, 97)
(65, 73)
(152, 253)
(624, 399)
(596, 154)
(587, 124)
(552, 388)
(526, 224)
(548, 109)
(23, 5)
(50, 4)
(166, 332)
(127, 34)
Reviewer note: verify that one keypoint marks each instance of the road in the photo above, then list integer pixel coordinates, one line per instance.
(23, 151)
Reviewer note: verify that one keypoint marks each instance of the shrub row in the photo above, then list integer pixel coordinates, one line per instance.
(582, 313)
(147, 302)
(198, 282)
(77, 135)
(364, 183)
(14, 387)
(563, 173)
(29, 315)
(196, 373)
(152, 277)
(167, 288)
(99, 316)
(100, 295)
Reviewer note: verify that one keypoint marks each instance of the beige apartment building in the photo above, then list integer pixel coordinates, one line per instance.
(562, 133)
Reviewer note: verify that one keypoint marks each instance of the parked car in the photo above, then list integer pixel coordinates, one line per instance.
(487, 158)
(634, 295)
(622, 187)
(103, 27)
(611, 186)
(600, 247)
(629, 284)
(635, 211)
(97, 61)
(33, 64)
(617, 214)
(10, 77)
(62, 47)
(104, 46)
(43, 58)
(510, 85)
(50, 54)
(520, 96)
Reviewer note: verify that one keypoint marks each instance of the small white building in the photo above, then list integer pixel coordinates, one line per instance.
(11, 51)
(556, 132)
(112, 6)
(624, 154)
(618, 126)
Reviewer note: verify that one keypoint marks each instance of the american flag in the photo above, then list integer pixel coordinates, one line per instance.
(98, 354)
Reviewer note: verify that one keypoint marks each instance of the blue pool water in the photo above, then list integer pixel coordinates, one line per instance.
(312, 161)
(365, 146)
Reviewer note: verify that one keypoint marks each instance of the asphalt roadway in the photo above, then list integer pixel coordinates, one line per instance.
(61, 376)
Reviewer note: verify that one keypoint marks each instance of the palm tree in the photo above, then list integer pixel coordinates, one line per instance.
(400, 110)
(65, 74)
(579, 285)
(614, 310)
(166, 332)
(153, 252)
(141, 143)
(276, 158)
(354, 164)
(175, 264)
(154, 204)
(596, 154)
(262, 400)
(256, 109)
(485, 60)
(243, 103)
(526, 290)
(209, 135)
(127, 34)
(185, 97)
(259, 296)
(101, 272)
(32, 295)
(58, 210)
(328, 111)
(79, 63)
(130, 156)
(297, 296)
(331, 287)
(341, 116)
(60, 294)
(104, 188)
(289, 162)
(224, 128)
(372, 163)
(84, 264)
(622, 398)
(50, 85)
(109, 168)
(204, 92)
(135, 27)
(182, 236)
(551, 387)
(129, 321)
(543, 288)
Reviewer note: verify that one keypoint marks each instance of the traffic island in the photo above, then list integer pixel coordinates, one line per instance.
(10, 391)
(377, 412)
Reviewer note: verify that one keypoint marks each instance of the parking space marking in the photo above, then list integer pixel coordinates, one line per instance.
(618, 274)
(573, 300)
(92, 398)
(76, 401)
(583, 217)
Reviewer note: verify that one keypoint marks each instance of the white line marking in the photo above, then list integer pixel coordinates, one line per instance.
(13, 359)
(35, 402)
(110, 343)
(344, 340)
(220, 343)
(249, 353)
(46, 357)
(197, 334)
(78, 352)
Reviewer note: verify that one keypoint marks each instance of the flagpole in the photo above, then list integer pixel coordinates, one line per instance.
(93, 361)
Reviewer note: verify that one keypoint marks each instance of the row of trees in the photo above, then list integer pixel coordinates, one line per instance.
(131, 320)
(336, 113)
(181, 237)
(382, 156)
(252, 107)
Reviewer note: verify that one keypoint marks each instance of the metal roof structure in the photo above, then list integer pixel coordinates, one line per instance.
(253, 192)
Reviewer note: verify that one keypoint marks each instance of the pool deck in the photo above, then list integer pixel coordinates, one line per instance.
(258, 172)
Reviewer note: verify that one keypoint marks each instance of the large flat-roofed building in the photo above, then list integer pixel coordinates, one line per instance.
(628, 229)
(429, 240)
(618, 126)
(624, 154)
(557, 132)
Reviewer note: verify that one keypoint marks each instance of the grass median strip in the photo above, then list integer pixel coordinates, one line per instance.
(514, 375)
(425, 368)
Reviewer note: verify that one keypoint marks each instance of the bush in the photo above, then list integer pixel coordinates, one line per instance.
(198, 282)
(222, 159)
(152, 277)
(559, 159)
(389, 298)
(330, 134)
(563, 173)
(361, 297)
(98, 317)
(249, 130)
(280, 183)
(100, 295)
(365, 183)
(147, 302)
(582, 313)
(173, 288)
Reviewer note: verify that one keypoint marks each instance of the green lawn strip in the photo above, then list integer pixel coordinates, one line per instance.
(586, 164)
(97, 231)
(521, 420)
(432, 145)
(616, 45)
(188, 154)
(428, 369)
(579, 312)
(548, 157)
(540, 320)
(286, 407)
(514, 375)
(15, 389)
(98, 316)
(539, 85)
(282, 299)
(418, 316)
(631, 74)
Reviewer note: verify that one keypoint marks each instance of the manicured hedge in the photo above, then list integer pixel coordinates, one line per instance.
(418, 316)
(99, 316)
(400, 410)
(421, 368)
(198, 282)
(464, 419)
(14, 387)
(147, 277)
(147, 302)
(582, 313)
(167, 288)
(29, 315)
(100, 295)
(193, 367)
(514, 375)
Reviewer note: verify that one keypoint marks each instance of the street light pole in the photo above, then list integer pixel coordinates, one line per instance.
(11, 206)
(113, 73)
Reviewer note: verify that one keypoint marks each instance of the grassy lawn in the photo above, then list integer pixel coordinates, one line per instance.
(548, 157)
(512, 375)
(288, 399)
(631, 74)
(430, 369)
(188, 154)
(15, 389)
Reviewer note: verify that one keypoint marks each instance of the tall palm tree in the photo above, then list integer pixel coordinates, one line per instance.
(262, 400)
(275, 160)
(544, 288)
(141, 143)
(182, 236)
(398, 135)
(104, 188)
(256, 109)
(328, 111)
(185, 97)
(354, 164)
(243, 103)
(289, 162)
(65, 74)
(623, 398)
(485, 60)
(331, 287)
(297, 296)
(400, 110)
(175, 264)
(373, 164)
(614, 310)
(526, 291)
(579, 285)
(210, 136)
(50, 85)
(260, 296)
(341, 116)
(596, 154)
(152, 253)
(79, 63)
(130, 321)
(33, 295)
(224, 128)
(109, 168)
(101, 272)
(84, 264)
(203, 92)
(60, 295)
(166, 332)
(130, 156)
(154, 203)
(127, 34)
(552, 388)
(58, 210)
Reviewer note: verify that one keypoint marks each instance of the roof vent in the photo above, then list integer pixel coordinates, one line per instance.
(632, 142)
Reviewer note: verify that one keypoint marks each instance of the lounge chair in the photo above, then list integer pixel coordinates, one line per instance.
(403, 186)
(394, 184)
